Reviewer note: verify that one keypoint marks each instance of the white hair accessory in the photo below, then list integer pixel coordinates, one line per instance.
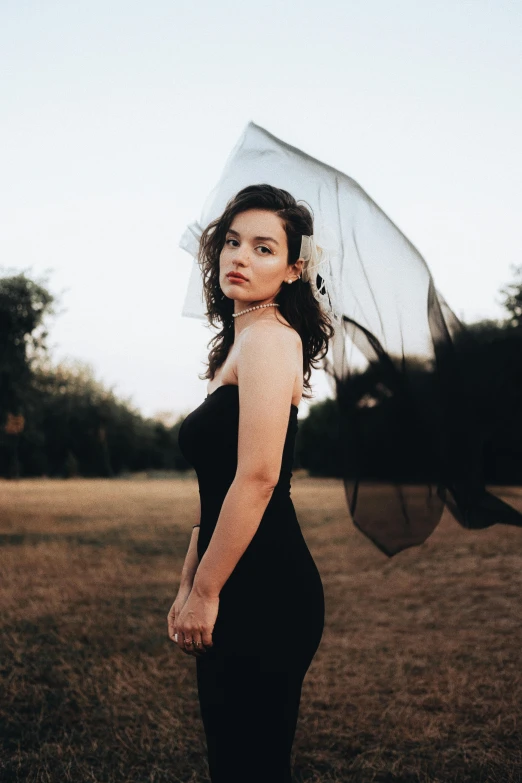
(318, 272)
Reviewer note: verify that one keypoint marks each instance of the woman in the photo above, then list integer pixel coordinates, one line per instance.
(250, 606)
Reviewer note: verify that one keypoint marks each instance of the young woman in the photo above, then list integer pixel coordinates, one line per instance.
(250, 606)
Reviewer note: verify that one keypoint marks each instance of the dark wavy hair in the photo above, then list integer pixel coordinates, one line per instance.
(296, 302)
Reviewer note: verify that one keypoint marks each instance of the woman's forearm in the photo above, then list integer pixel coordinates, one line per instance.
(191, 560)
(239, 518)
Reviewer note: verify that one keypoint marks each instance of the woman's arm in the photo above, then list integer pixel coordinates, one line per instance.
(187, 577)
(266, 367)
(191, 561)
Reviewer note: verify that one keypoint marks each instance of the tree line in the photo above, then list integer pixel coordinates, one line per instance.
(58, 420)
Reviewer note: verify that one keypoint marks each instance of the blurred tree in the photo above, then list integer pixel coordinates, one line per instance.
(81, 427)
(513, 298)
(318, 442)
(24, 305)
(76, 414)
(167, 418)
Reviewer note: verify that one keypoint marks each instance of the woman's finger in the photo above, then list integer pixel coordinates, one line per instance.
(177, 635)
(171, 619)
(171, 624)
(183, 636)
(189, 646)
(206, 638)
(198, 644)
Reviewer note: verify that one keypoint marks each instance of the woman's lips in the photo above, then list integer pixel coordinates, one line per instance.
(236, 279)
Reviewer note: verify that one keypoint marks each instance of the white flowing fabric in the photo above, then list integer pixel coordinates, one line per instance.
(393, 361)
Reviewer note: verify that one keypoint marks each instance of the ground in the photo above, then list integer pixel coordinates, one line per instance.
(418, 677)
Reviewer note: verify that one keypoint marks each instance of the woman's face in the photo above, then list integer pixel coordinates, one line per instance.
(255, 246)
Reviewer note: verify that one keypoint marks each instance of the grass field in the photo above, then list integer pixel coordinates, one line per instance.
(418, 676)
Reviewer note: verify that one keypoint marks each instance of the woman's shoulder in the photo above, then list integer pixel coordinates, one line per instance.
(281, 330)
(271, 344)
(269, 350)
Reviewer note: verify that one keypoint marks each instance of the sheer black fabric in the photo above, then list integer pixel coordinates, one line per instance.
(413, 434)
(416, 422)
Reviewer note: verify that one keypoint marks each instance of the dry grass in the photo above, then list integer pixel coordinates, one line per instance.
(418, 676)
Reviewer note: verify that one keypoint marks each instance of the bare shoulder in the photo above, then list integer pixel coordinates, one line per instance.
(273, 328)
(270, 355)
(269, 361)
(273, 339)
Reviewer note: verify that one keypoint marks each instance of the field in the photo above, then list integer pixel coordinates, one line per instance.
(418, 676)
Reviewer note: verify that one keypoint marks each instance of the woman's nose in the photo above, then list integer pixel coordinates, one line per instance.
(240, 256)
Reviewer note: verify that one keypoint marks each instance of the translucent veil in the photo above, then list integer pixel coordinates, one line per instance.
(400, 365)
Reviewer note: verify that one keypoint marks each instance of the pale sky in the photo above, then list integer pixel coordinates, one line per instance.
(116, 119)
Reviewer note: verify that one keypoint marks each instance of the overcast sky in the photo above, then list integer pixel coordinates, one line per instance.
(117, 118)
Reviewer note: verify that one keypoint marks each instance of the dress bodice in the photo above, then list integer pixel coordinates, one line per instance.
(208, 439)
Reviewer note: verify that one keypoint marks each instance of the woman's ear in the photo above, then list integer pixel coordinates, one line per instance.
(298, 266)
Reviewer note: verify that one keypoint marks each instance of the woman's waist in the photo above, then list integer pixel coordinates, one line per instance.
(212, 499)
(218, 488)
(278, 536)
(288, 571)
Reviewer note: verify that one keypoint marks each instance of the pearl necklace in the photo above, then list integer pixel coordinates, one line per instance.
(257, 307)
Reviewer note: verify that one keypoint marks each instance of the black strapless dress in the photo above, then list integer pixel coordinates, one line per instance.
(271, 610)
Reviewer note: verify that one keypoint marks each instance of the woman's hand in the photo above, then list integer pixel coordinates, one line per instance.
(177, 606)
(194, 622)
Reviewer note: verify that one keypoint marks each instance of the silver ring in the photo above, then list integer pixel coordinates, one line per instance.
(175, 637)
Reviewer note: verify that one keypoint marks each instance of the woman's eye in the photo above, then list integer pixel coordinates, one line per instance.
(261, 247)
